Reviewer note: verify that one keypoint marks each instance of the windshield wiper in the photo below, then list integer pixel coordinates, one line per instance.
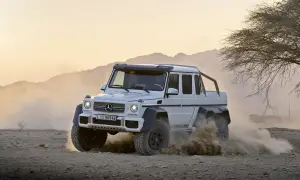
(146, 90)
(120, 86)
(139, 87)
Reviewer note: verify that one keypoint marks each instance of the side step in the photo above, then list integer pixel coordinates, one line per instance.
(190, 130)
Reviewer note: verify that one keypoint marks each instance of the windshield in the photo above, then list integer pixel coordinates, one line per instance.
(143, 80)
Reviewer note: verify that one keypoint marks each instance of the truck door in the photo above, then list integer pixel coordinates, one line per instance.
(188, 98)
(172, 103)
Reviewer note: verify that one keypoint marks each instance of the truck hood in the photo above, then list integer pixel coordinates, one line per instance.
(126, 96)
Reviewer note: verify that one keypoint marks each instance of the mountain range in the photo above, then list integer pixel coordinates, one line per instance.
(50, 104)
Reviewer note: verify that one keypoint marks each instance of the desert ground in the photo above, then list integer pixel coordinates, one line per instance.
(43, 154)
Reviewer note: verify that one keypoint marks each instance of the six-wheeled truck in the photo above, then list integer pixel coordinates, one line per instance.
(150, 101)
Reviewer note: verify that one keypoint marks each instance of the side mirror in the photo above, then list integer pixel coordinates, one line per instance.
(103, 87)
(172, 91)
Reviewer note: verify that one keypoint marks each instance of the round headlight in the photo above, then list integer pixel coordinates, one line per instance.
(87, 104)
(133, 108)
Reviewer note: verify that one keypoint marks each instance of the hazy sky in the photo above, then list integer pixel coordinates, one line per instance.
(41, 38)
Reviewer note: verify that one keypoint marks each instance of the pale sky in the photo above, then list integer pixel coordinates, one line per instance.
(43, 38)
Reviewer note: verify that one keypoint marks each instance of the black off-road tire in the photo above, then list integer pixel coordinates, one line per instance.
(144, 141)
(85, 139)
(221, 124)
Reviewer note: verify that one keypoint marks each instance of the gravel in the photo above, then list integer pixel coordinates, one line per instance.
(41, 154)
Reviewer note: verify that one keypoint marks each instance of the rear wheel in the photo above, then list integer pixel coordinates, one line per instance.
(221, 124)
(152, 141)
(85, 139)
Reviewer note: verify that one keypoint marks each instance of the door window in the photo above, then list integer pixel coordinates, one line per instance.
(197, 84)
(174, 81)
(187, 84)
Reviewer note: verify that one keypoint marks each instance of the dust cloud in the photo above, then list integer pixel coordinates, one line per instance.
(203, 141)
(243, 139)
(119, 143)
(69, 146)
(249, 139)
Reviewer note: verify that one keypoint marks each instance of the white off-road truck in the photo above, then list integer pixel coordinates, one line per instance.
(150, 101)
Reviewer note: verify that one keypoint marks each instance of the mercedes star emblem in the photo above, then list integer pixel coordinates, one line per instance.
(108, 107)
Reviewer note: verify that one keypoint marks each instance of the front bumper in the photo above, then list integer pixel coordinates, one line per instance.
(122, 124)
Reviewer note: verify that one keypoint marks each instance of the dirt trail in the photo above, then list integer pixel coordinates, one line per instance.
(43, 154)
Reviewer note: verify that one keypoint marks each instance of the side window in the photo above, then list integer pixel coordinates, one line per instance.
(174, 81)
(187, 84)
(118, 79)
(197, 84)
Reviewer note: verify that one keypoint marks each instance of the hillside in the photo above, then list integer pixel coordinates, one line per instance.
(50, 104)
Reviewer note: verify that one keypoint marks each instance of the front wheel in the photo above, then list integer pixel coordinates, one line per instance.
(85, 139)
(152, 141)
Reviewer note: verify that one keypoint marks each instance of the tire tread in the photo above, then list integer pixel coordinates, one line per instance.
(141, 139)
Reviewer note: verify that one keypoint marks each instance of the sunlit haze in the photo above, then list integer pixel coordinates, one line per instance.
(43, 38)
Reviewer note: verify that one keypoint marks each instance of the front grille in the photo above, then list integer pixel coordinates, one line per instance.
(113, 123)
(115, 107)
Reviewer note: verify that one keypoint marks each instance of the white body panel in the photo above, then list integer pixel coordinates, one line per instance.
(174, 112)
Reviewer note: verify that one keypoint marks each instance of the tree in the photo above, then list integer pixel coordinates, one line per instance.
(267, 48)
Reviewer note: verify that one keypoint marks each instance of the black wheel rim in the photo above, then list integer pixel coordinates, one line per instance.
(156, 140)
(221, 131)
(222, 136)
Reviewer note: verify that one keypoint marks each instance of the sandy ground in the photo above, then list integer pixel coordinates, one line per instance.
(42, 154)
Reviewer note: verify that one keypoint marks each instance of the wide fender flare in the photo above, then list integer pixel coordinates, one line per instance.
(220, 110)
(149, 117)
(78, 111)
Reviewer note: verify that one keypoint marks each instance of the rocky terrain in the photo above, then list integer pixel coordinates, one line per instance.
(43, 154)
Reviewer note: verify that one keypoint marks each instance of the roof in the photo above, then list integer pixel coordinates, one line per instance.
(182, 68)
(158, 67)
